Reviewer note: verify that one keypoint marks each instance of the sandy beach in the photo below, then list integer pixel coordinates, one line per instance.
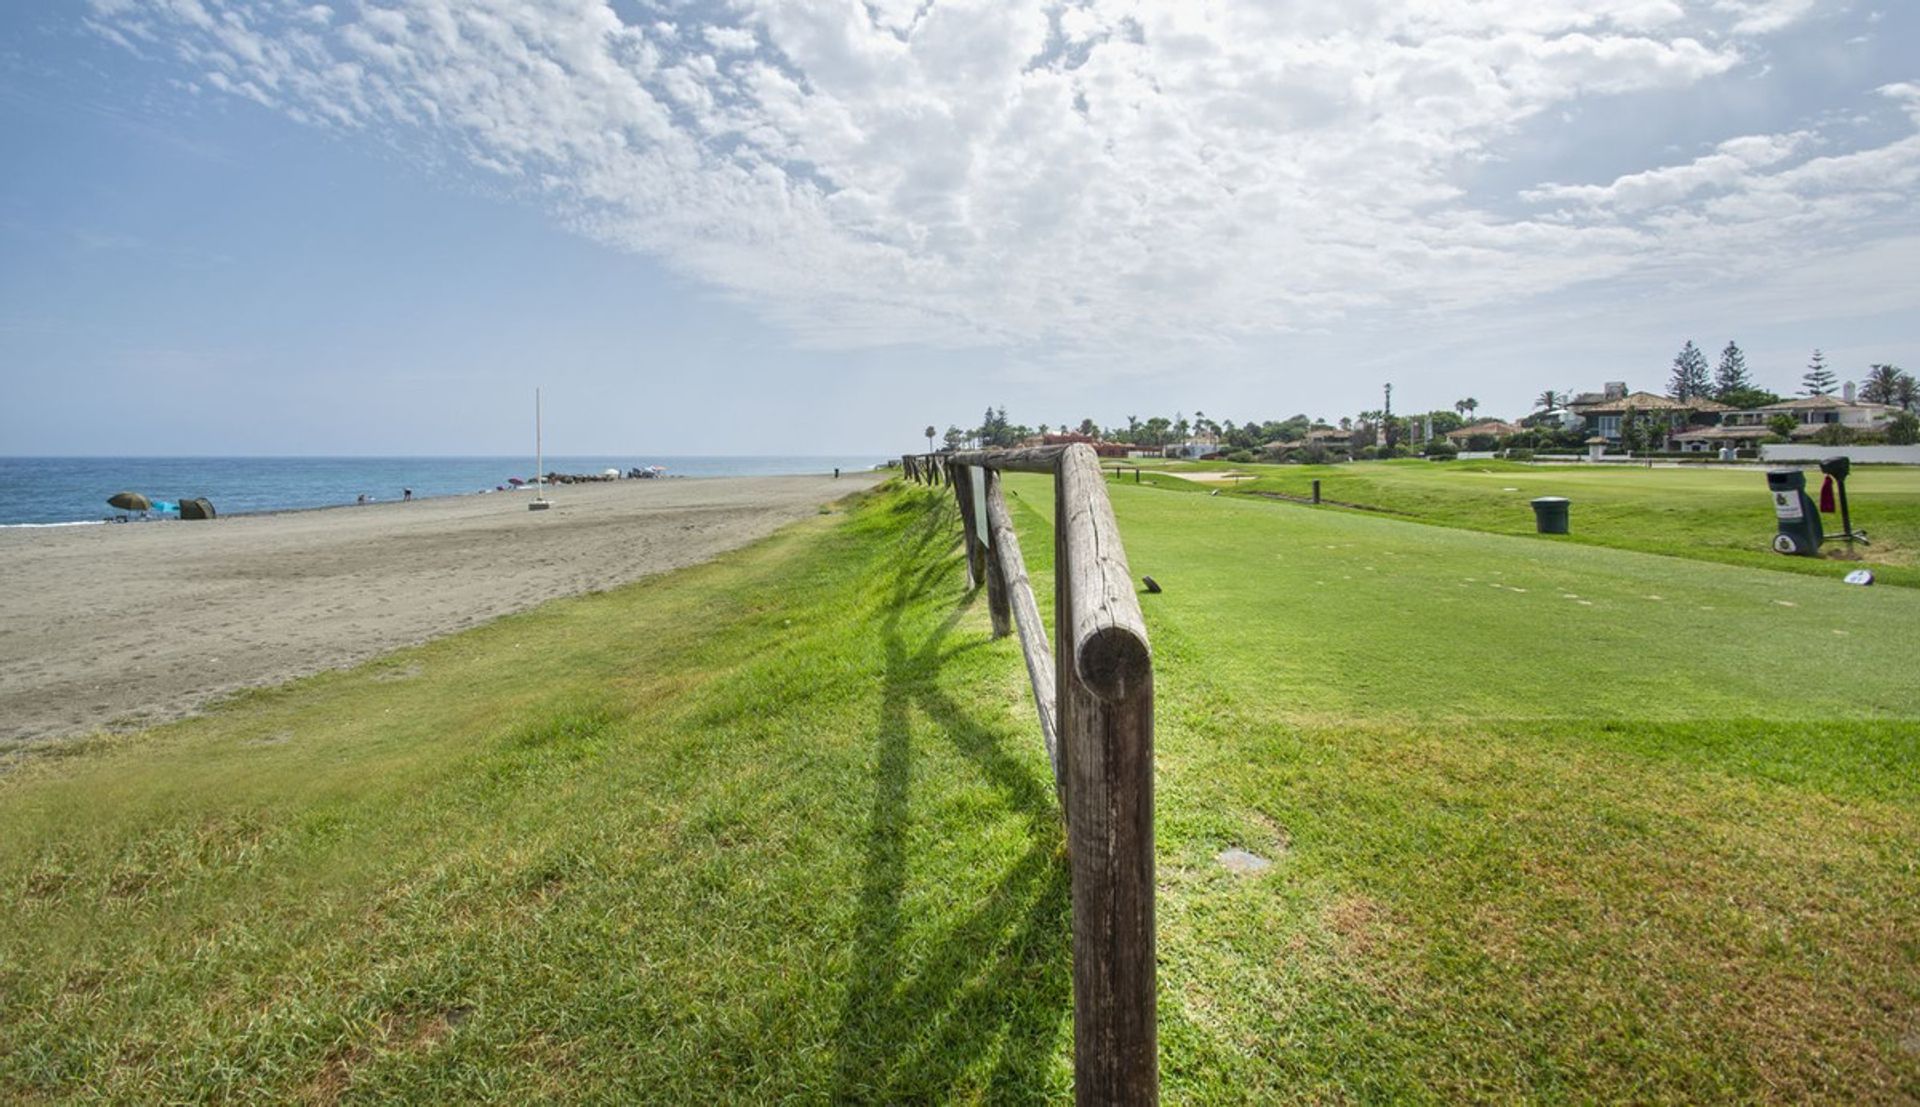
(130, 625)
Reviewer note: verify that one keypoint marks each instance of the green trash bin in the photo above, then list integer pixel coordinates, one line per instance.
(1550, 514)
(1797, 530)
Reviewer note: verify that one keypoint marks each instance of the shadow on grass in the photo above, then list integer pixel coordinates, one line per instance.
(981, 1006)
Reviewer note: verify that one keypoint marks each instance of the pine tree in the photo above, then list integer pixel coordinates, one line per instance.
(1731, 375)
(1819, 380)
(1689, 373)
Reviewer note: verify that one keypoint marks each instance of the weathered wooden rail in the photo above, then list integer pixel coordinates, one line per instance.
(1093, 691)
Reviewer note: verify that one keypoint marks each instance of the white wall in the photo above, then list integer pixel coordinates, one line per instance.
(1902, 455)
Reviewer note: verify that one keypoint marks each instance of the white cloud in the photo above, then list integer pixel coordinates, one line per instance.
(1064, 175)
(1764, 17)
(1730, 165)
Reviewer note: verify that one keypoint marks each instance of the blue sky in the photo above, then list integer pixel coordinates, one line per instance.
(260, 226)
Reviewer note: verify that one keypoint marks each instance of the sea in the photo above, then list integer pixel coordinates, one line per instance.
(48, 491)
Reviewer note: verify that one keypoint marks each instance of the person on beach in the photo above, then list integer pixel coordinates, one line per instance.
(406, 493)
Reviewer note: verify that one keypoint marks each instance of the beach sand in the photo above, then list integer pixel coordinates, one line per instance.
(117, 626)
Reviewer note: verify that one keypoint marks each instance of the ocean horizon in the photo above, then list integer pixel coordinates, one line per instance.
(48, 491)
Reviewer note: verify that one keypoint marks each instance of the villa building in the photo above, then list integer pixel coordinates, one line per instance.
(1603, 414)
(1810, 415)
(1198, 446)
(1489, 429)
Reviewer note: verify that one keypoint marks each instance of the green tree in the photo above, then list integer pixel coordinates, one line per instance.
(1906, 395)
(930, 432)
(955, 437)
(1288, 430)
(1882, 384)
(1781, 425)
(1833, 434)
(1467, 406)
(1746, 399)
(1550, 399)
(1089, 428)
(1730, 377)
(1633, 435)
(1689, 378)
(996, 431)
(1818, 379)
(1903, 429)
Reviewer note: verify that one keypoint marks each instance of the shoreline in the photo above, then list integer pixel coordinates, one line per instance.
(110, 518)
(117, 627)
(310, 509)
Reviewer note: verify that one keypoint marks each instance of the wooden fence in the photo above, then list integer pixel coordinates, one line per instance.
(1094, 693)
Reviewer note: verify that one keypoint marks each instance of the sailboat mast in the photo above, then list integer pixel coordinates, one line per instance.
(539, 460)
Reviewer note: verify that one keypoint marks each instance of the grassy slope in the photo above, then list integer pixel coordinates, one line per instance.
(772, 827)
(779, 827)
(1714, 514)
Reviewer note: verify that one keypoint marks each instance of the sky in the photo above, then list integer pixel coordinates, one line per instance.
(776, 227)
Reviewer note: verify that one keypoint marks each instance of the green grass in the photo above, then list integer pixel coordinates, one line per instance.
(778, 828)
(1712, 514)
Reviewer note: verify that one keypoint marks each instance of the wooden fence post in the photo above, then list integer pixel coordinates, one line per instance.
(1105, 674)
(969, 541)
(999, 604)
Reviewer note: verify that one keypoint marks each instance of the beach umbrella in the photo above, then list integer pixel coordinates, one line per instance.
(129, 501)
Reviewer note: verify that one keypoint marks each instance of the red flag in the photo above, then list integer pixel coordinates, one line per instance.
(1826, 497)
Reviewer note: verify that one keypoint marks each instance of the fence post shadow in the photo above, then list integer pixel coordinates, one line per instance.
(997, 981)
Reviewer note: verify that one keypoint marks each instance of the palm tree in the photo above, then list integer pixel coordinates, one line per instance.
(1550, 400)
(930, 432)
(1883, 381)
